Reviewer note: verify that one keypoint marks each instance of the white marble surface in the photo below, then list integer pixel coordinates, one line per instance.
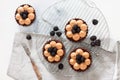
(8, 26)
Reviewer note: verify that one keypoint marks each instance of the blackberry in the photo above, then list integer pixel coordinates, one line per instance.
(60, 66)
(52, 33)
(95, 21)
(58, 34)
(93, 38)
(28, 37)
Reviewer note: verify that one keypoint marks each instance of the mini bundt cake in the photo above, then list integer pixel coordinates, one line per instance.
(76, 30)
(25, 15)
(53, 51)
(80, 59)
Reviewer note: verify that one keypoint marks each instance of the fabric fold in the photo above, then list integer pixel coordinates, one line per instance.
(20, 67)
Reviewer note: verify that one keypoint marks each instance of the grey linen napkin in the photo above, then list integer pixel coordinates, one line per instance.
(104, 67)
(20, 67)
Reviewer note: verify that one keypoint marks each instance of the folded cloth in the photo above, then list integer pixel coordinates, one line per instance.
(20, 67)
